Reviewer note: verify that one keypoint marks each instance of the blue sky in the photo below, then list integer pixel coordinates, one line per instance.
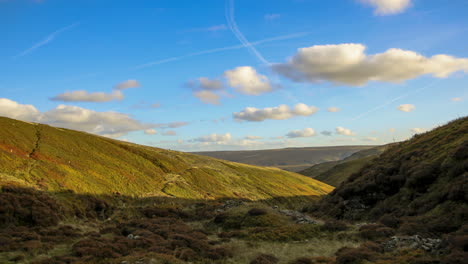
(236, 74)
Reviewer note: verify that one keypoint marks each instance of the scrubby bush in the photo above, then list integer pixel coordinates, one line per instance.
(353, 255)
(23, 206)
(257, 212)
(264, 259)
(334, 226)
(313, 260)
(375, 231)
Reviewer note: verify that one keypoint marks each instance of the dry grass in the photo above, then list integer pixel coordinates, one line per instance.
(244, 251)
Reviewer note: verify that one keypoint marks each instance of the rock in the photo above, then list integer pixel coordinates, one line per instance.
(298, 216)
(413, 242)
(131, 236)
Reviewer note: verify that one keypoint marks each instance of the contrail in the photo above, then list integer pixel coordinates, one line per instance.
(235, 30)
(393, 100)
(48, 39)
(176, 58)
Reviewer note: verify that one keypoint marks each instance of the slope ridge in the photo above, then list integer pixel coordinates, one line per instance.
(71, 160)
(418, 186)
(335, 172)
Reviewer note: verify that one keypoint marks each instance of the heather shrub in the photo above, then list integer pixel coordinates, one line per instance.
(354, 255)
(257, 212)
(313, 260)
(334, 226)
(265, 259)
(375, 231)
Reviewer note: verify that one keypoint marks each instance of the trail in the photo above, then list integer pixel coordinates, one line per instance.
(33, 163)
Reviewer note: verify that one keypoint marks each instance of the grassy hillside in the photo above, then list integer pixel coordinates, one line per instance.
(335, 172)
(56, 159)
(417, 187)
(290, 159)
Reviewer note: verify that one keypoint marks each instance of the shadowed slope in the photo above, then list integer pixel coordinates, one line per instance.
(55, 159)
(418, 186)
(335, 172)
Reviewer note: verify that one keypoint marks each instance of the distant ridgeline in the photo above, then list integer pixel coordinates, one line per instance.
(56, 159)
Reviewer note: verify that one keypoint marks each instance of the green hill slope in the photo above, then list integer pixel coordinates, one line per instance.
(290, 159)
(56, 159)
(335, 172)
(419, 186)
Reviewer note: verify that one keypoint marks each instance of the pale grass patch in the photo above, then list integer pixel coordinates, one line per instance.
(245, 251)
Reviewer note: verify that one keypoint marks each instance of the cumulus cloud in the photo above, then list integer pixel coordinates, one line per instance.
(151, 131)
(204, 83)
(207, 97)
(333, 109)
(370, 139)
(127, 84)
(418, 130)
(110, 124)
(246, 80)
(253, 137)
(96, 97)
(406, 107)
(326, 133)
(214, 138)
(84, 96)
(277, 113)
(15, 110)
(170, 133)
(344, 131)
(456, 99)
(349, 64)
(388, 7)
(306, 132)
(391, 130)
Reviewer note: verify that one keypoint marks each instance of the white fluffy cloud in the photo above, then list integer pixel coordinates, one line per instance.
(348, 64)
(370, 139)
(306, 132)
(14, 110)
(252, 137)
(127, 84)
(207, 97)
(388, 7)
(406, 107)
(96, 97)
(344, 131)
(84, 96)
(278, 113)
(333, 109)
(111, 124)
(214, 138)
(151, 131)
(246, 80)
(418, 130)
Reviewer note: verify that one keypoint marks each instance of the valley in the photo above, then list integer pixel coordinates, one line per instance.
(406, 204)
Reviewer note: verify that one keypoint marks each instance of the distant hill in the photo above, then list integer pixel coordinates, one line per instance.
(335, 172)
(56, 159)
(419, 186)
(290, 159)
